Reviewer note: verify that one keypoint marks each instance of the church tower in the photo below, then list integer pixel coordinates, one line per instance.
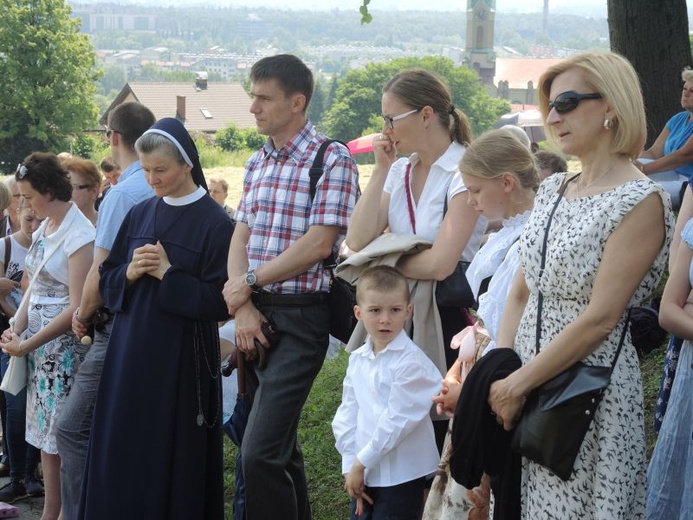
(479, 52)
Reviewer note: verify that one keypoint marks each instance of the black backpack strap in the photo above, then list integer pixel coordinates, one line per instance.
(316, 171)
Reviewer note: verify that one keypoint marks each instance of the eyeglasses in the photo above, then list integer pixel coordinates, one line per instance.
(390, 121)
(569, 101)
(80, 186)
(110, 131)
(21, 171)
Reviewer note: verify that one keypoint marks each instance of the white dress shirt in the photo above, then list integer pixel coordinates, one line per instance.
(384, 416)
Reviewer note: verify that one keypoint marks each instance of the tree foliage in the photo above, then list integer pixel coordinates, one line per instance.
(358, 94)
(233, 138)
(47, 78)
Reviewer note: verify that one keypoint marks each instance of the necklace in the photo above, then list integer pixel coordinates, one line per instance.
(581, 190)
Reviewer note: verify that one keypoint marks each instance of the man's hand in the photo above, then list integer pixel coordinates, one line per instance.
(80, 325)
(236, 293)
(248, 328)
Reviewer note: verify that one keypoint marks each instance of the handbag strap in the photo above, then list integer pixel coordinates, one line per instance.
(540, 297)
(8, 252)
(410, 203)
(25, 297)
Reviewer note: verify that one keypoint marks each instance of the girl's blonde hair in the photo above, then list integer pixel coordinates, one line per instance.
(498, 152)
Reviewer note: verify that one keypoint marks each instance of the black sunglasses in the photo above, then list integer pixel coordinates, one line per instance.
(569, 101)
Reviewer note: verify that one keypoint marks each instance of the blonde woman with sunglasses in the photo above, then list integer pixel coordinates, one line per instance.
(604, 252)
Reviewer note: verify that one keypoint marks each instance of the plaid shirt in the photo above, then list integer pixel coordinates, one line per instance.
(277, 208)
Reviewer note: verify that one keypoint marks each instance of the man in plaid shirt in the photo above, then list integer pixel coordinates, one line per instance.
(276, 275)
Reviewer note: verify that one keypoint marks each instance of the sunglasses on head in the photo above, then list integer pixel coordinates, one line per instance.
(21, 171)
(569, 101)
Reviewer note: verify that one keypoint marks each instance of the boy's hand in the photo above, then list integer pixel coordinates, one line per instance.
(354, 485)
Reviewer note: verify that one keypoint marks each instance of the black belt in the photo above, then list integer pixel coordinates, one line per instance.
(289, 300)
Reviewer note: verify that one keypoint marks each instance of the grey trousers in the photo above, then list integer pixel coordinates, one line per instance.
(273, 468)
(74, 423)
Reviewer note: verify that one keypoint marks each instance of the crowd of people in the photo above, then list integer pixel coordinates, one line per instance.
(117, 277)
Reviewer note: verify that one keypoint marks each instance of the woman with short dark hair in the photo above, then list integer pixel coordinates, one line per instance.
(61, 252)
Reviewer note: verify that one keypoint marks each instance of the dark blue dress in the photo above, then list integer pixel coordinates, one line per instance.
(156, 444)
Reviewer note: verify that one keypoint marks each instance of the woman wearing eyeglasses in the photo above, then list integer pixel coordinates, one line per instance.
(605, 251)
(408, 195)
(86, 186)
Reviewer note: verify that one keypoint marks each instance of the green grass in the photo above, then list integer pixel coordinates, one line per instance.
(651, 368)
(323, 463)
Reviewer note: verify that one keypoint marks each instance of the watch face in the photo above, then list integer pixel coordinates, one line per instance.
(250, 278)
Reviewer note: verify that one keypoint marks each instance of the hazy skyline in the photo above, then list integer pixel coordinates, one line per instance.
(585, 7)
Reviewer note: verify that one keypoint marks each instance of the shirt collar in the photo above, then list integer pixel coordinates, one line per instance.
(130, 170)
(398, 343)
(449, 161)
(295, 148)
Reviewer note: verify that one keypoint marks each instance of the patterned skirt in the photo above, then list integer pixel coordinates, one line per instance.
(52, 367)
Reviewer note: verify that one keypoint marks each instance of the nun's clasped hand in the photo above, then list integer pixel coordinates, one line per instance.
(148, 259)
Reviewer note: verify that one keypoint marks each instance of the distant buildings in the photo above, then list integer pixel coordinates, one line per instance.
(201, 106)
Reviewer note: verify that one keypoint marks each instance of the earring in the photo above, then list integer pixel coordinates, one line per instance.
(608, 124)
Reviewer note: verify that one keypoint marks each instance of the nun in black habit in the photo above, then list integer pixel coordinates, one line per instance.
(156, 444)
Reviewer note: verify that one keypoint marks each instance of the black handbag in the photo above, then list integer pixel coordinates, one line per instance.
(342, 299)
(454, 291)
(557, 414)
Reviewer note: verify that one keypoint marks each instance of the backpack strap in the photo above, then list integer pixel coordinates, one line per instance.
(315, 172)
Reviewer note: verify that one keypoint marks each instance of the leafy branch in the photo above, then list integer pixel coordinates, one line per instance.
(366, 17)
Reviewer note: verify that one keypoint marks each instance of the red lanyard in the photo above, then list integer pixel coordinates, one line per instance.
(410, 204)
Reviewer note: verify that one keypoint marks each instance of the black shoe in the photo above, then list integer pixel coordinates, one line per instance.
(12, 491)
(34, 487)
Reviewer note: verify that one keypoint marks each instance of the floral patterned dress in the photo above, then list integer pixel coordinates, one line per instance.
(53, 365)
(608, 482)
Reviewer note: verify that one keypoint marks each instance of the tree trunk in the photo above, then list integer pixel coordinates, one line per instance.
(654, 37)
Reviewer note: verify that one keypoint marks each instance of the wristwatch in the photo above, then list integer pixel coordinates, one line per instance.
(251, 280)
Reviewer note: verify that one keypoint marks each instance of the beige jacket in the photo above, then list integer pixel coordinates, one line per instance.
(387, 249)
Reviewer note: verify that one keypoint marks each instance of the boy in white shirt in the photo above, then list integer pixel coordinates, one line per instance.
(382, 427)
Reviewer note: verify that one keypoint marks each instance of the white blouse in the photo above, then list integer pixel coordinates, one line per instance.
(499, 258)
(444, 180)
